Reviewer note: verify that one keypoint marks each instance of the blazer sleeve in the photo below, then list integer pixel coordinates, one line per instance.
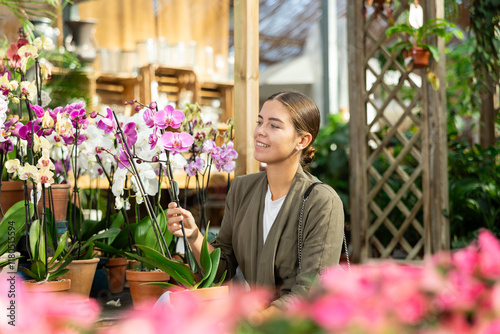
(323, 232)
(224, 239)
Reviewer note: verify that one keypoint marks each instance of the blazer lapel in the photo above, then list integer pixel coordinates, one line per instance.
(265, 274)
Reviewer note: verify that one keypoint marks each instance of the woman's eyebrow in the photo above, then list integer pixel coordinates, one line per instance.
(273, 119)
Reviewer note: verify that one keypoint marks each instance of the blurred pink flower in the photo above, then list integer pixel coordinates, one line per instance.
(42, 312)
(489, 255)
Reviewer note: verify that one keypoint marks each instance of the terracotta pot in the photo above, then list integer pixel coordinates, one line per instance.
(117, 267)
(202, 295)
(60, 195)
(58, 286)
(420, 57)
(141, 293)
(12, 192)
(81, 273)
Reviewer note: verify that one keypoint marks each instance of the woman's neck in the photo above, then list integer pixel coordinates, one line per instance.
(280, 179)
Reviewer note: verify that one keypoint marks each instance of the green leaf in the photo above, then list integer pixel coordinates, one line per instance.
(160, 265)
(17, 215)
(103, 235)
(162, 284)
(60, 246)
(215, 258)
(38, 268)
(434, 51)
(205, 260)
(34, 237)
(178, 269)
(57, 274)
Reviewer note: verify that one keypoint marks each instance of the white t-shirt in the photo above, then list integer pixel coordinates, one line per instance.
(271, 209)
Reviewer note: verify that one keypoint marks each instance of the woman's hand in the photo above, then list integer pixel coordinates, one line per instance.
(174, 217)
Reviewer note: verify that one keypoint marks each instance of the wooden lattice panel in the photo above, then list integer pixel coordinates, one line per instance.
(391, 151)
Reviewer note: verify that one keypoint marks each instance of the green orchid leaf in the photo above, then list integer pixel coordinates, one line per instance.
(214, 258)
(221, 280)
(57, 274)
(205, 260)
(166, 268)
(38, 268)
(162, 284)
(14, 218)
(60, 246)
(178, 267)
(106, 234)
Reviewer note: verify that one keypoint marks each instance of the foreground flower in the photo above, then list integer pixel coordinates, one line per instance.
(176, 142)
(42, 312)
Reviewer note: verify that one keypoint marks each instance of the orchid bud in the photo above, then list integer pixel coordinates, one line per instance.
(137, 108)
(93, 114)
(155, 159)
(139, 161)
(132, 102)
(152, 105)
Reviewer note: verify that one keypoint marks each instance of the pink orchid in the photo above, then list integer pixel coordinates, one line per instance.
(176, 142)
(148, 118)
(108, 123)
(194, 167)
(168, 117)
(130, 133)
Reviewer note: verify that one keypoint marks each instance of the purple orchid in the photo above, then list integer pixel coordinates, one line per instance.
(176, 142)
(78, 118)
(209, 146)
(223, 157)
(130, 134)
(123, 160)
(168, 117)
(194, 167)
(108, 123)
(6, 146)
(25, 132)
(148, 118)
(153, 139)
(38, 110)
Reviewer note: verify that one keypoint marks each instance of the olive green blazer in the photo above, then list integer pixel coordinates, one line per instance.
(275, 263)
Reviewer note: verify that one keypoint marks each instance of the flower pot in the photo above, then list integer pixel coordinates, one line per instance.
(141, 293)
(59, 286)
(60, 196)
(201, 295)
(11, 193)
(420, 57)
(116, 267)
(81, 273)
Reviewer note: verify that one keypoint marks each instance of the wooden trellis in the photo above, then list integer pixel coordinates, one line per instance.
(399, 185)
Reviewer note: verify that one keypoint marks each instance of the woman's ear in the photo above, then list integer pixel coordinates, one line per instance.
(304, 141)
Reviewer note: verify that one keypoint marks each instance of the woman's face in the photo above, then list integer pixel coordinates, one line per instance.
(275, 138)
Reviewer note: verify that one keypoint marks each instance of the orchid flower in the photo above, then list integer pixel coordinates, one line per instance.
(108, 123)
(176, 142)
(168, 117)
(13, 166)
(194, 167)
(27, 171)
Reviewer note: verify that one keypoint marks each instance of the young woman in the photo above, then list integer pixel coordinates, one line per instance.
(259, 229)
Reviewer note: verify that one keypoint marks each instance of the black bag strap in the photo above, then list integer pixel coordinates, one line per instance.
(299, 229)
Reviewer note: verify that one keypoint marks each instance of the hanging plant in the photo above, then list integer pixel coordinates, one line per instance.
(415, 32)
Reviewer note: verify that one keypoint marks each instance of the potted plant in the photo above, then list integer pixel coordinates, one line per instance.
(415, 33)
(182, 274)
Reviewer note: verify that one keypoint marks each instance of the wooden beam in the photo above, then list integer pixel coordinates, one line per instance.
(357, 133)
(246, 81)
(435, 147)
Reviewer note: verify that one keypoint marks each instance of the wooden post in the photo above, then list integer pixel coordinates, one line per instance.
(246, 81)
(435, 149)
(358, 132)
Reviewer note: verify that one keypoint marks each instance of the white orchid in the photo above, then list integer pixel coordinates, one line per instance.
(43, 43)
(12, 166)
